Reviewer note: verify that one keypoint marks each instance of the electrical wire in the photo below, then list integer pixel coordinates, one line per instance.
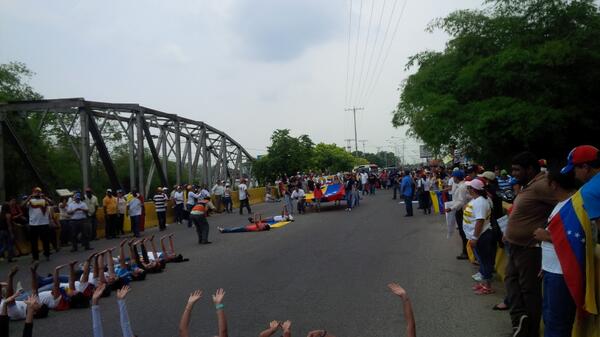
(369, 93)
(356, 52)
(348, 56)
(367, 77)
(364, 54)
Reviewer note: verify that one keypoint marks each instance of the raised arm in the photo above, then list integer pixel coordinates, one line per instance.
(287, 328)
(111, 263)
(184, 324)
(55, 280)
(85, 277)
(28, 328)
(122, 263)
(273, 327)
(99, 269)
(154, 251)
(123, 315)
(218, 301)
(96, 318)
(409, 316)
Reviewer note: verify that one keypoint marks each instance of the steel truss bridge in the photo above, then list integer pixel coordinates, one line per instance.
(203, 152)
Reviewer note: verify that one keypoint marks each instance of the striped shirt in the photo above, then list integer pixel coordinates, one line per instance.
(160, 202)
(504, 184)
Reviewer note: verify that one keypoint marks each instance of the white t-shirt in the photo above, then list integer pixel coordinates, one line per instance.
(178, 197)
(299, 194)
(79, 286)
(191, 199)
(121, 205)
(39, 211)
(80, 210)
(46, 297)
(16, 311)
(135, 207)
(550, 262)
(364, 178)
(243, 188)
(450, 184)
(477, 209)
(283, 218)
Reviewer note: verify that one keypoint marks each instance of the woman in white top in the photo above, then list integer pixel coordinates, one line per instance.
(476, 224)
(558, 305)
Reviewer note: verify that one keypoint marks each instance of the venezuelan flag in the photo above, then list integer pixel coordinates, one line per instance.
(437, 200)
(571, 232)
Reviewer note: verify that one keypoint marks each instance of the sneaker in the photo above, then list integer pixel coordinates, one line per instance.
(521, 329)
(462, 257)
(477, 286)
(477, 277)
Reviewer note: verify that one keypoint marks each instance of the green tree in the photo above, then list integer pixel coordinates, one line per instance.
(286, 155)
(332, 158)
(521, 74)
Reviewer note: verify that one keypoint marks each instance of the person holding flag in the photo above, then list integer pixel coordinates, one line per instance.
(572, 228)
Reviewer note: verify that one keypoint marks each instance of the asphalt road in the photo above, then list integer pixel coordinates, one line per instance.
(325, 270)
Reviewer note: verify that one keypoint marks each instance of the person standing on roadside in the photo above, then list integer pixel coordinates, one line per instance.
(110, 206)
(407, 192)
(78, 211)
(530, 211)
(121, 208)
(218, 191)
(227, 198)
(39, 222)
(160, 205)
(178, 204)
(64, 219)
(134, 208)
(244, 197)
(92, 203)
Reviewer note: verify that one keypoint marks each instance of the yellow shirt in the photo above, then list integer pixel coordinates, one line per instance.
(110, 204)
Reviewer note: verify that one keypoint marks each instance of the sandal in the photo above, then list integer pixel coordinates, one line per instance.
(484, 291)
(478, 286)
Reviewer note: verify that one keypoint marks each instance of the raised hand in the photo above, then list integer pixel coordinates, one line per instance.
(218, 296)
(274, 325)
(98, 293)
(121, 293)
(194, 297)
(398, 290)
(286, 325)
(31, 300)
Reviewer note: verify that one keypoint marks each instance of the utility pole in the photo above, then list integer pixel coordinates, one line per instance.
(348, 142)
(363, 142)
(353, 109)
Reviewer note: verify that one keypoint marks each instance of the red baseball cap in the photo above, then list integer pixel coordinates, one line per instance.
(580, 155)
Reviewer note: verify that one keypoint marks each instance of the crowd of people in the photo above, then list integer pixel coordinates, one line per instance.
(531, 231)
(547, 232)
(85, 283)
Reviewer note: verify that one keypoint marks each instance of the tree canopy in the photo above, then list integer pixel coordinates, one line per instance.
(517, 75)
(290, 155)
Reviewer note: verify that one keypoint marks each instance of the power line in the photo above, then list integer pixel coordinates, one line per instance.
(348, 55)
(356, 52)
(370, 92)
(361, 89)
(385, 35)
(353, 109)
(364, 56)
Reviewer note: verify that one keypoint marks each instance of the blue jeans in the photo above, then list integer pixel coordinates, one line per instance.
(349, 199)
(135, 225)
(558, 306)
(486, 254)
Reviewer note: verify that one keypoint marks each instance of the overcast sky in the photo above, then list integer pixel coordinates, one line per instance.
(246, 67)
